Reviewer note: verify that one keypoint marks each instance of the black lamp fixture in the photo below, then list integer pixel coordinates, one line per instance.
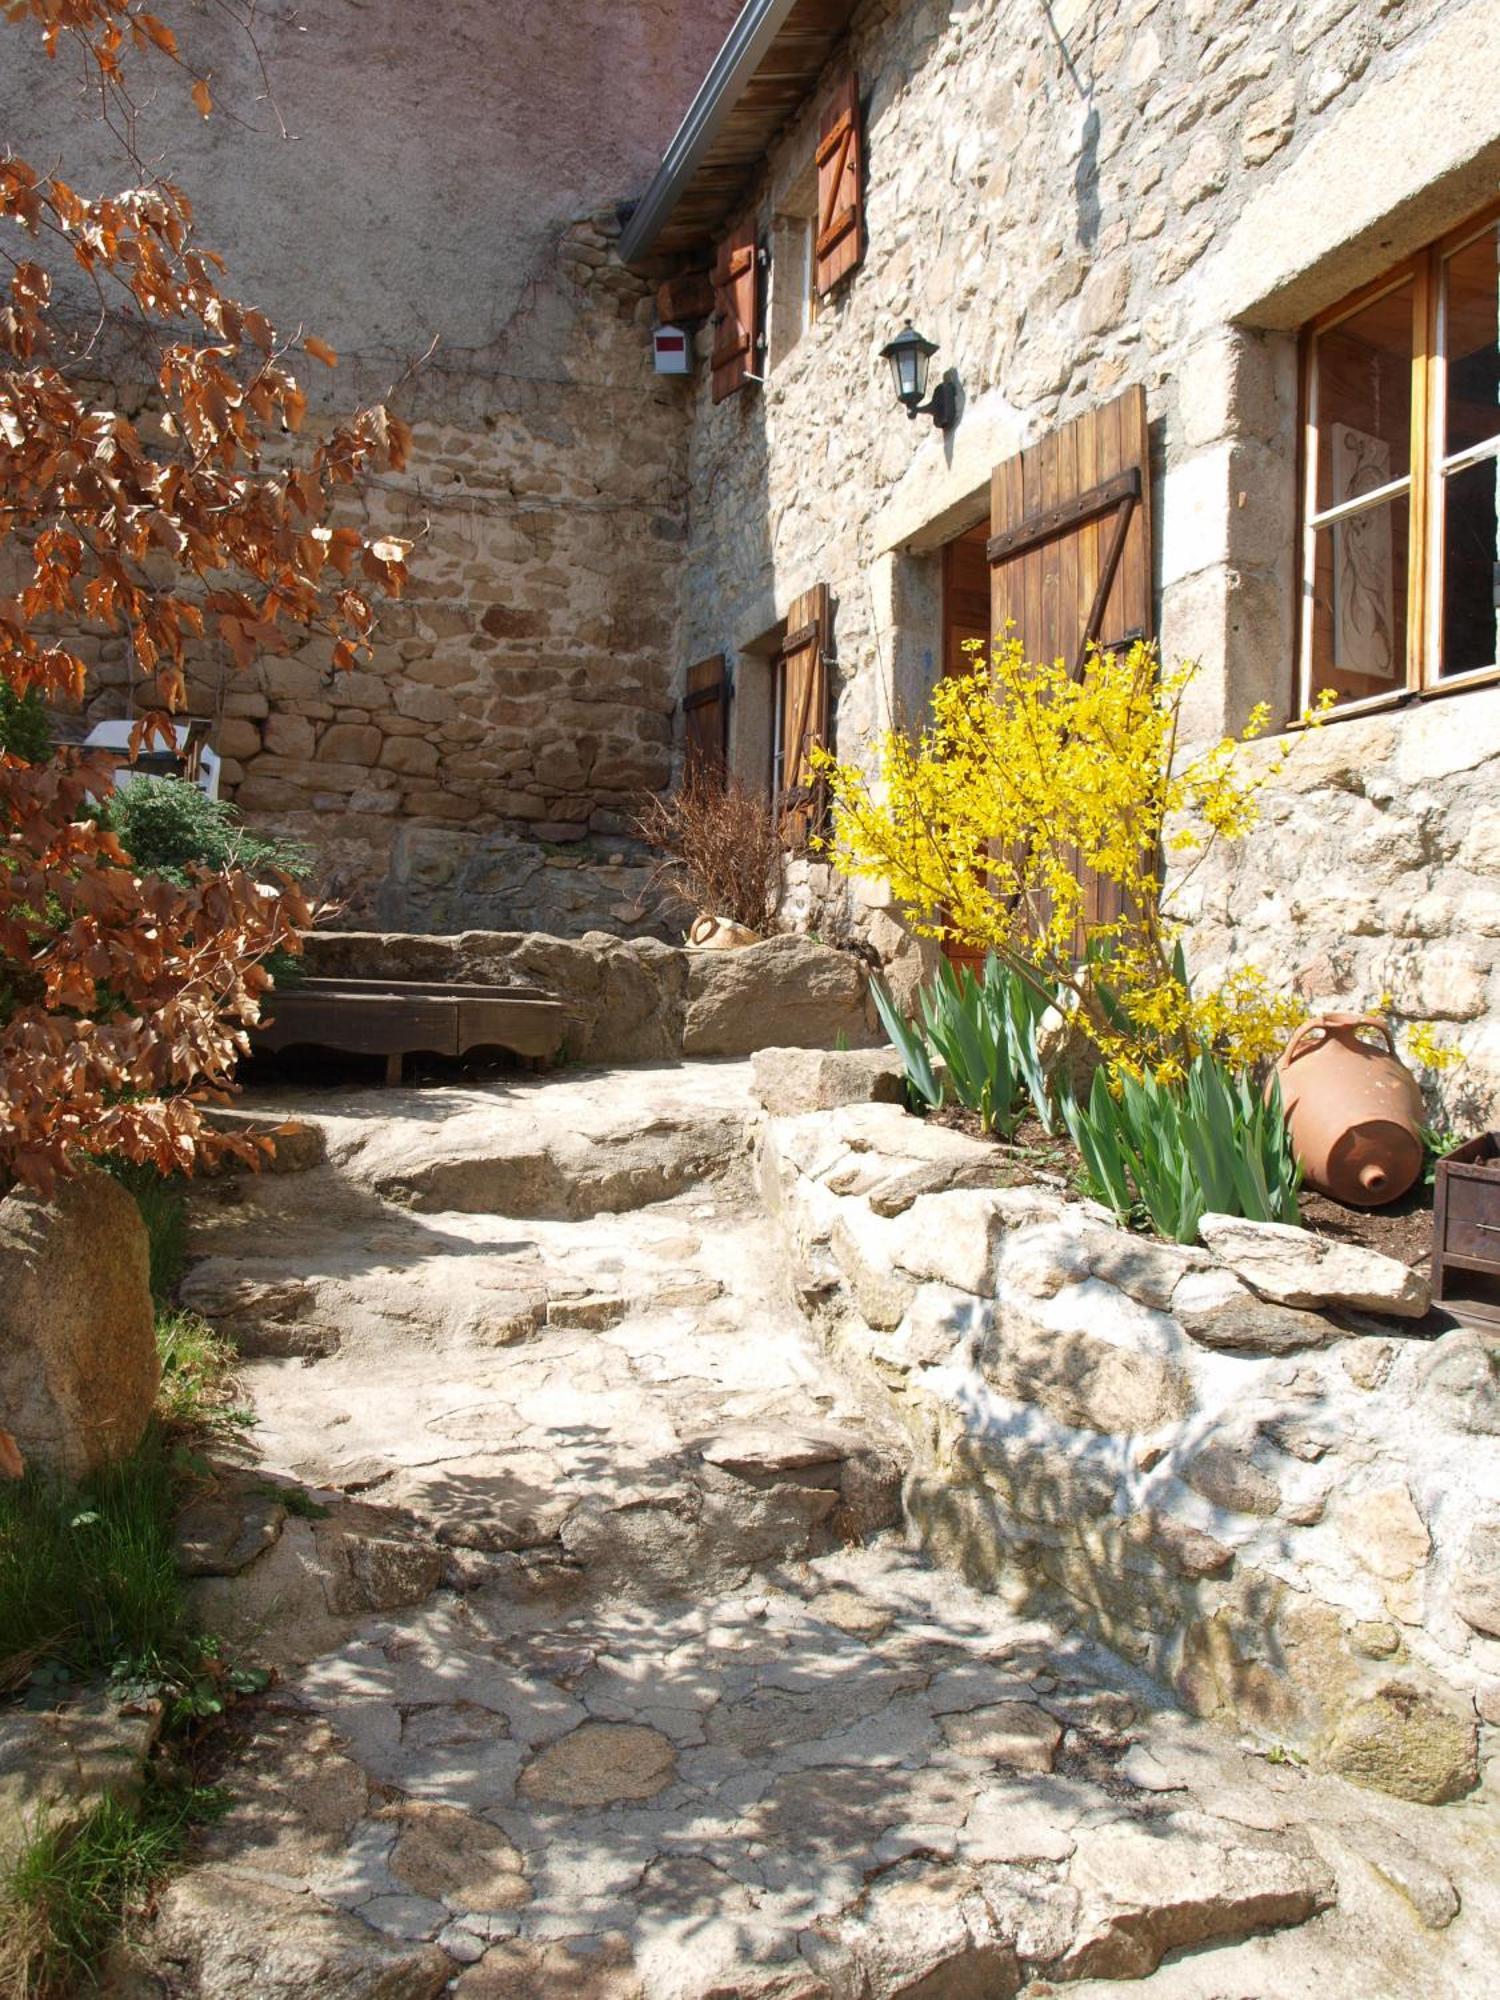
(910, 357)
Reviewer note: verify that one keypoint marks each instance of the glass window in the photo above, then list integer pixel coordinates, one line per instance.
(1401, 535)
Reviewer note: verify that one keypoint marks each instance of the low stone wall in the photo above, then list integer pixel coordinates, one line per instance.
(638, 1000)
(1291, 1516)
(449, 878)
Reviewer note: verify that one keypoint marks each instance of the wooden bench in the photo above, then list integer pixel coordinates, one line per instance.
(395, 1018)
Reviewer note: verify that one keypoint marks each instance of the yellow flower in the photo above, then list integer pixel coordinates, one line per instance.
(1023, 785)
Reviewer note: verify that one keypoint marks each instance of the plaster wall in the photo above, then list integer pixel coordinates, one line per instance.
(1068, 200)
(449, 175)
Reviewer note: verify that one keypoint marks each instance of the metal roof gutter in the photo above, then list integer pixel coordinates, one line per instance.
(756, 27)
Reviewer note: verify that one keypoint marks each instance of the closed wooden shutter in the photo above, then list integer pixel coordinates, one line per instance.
(840, 243)
(804, 713)
(1070, 550)
(705, 710)
(736, 311)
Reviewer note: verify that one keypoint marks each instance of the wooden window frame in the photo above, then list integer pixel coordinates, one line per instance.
(1424, 483)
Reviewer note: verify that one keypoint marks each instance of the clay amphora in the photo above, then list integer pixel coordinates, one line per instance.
(718, 934)
(1353, 1108)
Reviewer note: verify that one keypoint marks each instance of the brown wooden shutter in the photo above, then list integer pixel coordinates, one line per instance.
(1070, 544)
(840, 243)
(705, 711)
(804, 713)
(1070, 549)
(736, 311)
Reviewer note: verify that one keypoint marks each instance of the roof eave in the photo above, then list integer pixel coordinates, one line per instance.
(755, 28)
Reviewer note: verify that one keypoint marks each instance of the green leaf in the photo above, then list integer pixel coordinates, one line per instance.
(909, 1045)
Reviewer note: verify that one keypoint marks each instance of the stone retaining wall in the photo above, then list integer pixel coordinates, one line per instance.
(1291, 1516)
(638, 1000)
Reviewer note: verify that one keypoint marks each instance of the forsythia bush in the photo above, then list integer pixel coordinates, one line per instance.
(1023, 778)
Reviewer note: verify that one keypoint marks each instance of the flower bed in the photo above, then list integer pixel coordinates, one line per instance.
(1232, 1460)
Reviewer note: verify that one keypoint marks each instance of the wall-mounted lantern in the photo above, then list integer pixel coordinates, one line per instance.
(910, 357)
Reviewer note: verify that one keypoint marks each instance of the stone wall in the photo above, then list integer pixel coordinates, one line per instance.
(1246, 1466)
(446, 179)
(1070, 200)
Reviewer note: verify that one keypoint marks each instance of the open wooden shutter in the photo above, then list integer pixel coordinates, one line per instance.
(804, 713)
(840, 243)
(736, 311)
(1070, 545)
(705, 711)
(1070, 550)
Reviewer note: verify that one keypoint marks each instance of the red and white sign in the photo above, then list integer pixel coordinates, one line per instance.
(672, 351)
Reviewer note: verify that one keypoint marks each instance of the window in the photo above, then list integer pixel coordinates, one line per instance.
(1400, 551)
(793, 304)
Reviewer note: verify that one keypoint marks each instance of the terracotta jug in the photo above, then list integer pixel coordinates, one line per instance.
(718, 934)
(1353, 1108)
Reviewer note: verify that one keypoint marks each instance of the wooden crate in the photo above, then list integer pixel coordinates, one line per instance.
(1466, 1230)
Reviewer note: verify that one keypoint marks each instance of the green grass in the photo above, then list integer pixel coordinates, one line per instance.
(196, 1397)
(69, 1890)
(90, 1592)
(88, 1573)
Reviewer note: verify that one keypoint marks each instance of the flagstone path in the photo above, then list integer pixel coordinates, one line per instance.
(607, 1672)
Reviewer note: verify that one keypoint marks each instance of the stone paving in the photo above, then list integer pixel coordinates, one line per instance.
(608, 1673)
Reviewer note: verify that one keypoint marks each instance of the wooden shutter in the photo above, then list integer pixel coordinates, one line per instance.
(705, 710)
(1070, 546)
(736, 311)
(840, 243)
(804, 713)
(1070, 550)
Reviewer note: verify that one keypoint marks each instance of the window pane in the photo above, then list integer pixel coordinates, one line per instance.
(1471, 569)
(1472, 284)
(1359, 603)
(1364, 398)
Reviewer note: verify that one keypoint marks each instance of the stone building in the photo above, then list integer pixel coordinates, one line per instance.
(1130, 228)
(1085, 207)
(391, 177)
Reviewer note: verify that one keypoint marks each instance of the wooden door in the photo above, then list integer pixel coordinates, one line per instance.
(1070, 552)
(804, 719)
(705, 711)
(966, 620)
(966, 602)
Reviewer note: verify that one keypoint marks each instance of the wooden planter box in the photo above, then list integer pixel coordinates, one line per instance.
(1466, 1230)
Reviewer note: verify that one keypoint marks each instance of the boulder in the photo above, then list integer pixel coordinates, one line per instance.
(955, 1237)
(223, 1932)
(1476, 1589)
(601, 1764)
(1216, 1310)
(1409, 1741)
(1170, 1884)
(1292, 1267)
(1460, 1381)
(78, 1361)
(785, 993)
(788, 1082)
(55, 1767)
(1084, 1381)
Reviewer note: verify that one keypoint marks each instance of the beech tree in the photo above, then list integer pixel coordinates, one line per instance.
(125, 1000)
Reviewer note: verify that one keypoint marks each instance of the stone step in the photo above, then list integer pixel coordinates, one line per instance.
(857, 1779)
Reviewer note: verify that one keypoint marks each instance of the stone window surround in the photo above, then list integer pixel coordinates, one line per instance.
(1410, 159)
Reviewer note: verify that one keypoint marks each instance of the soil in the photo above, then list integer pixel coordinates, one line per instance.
(1402, 1230)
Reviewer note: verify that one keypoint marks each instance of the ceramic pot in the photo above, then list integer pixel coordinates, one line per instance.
(718, 934)
(1353, 1108)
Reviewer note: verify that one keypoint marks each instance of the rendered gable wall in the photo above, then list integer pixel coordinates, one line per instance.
(451, 175)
